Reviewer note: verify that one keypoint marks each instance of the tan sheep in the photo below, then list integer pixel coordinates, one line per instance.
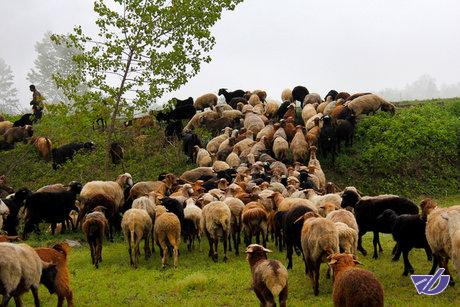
(195, 121)
(343, 216)
(281, 148)
(233, 160)
(167, 233)
(195, 174)
(148, 204)
(253, 122)
(213, 145)
(216, 223)
(205, 101)
(312, 121)
(299, 146)
(318, 170)
(443, 236)
(5, 125)
(137, 225)
(192, 222)
(254, 222)
(286, 95)
(312, 98)
(308, 112)
(320, 239)
(369, 104)
(203, 158)
(254, 100)
(236, 208)
(348, 238)
(281, 203)
(267, 132)
(271, 108)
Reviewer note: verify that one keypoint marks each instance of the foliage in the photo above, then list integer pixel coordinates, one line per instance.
(414, 152)
(8, 93)
(52, 59)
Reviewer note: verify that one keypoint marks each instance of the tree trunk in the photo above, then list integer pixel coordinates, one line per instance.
(116, 110)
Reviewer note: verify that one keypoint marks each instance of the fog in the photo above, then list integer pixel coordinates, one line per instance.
(381, 45)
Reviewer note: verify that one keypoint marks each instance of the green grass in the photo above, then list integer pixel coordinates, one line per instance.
(200, 282)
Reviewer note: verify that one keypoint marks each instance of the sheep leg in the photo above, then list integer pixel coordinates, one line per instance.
(34, 290)
(235, 235)
(147, 246)
(53, 228)
(360, 243)
(395, 249)
(397, 253)
(6, 299)
(176, 255)
(316, 278)
(215, 255)
(428, 253)
(164, 248)
(61, 301)
(289, 256)
(211, 252)
(152, 235)
(18, 301)
(380, 246)
(226, 235)
(130, 253)
(407, 266)
(375, 242)
(283, 296)
(444, 263)
(261, 298)
(435, 264)
(98, 248)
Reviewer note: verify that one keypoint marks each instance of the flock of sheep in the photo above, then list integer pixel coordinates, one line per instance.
(260, 176)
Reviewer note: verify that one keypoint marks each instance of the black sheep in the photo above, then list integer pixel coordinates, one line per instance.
(230, 95)
(178, 113)
(299, 92)
(332, 93)
(345, 129)
(327, 138)
(368, 209)
(50, 207)
(189, 141)
(67, 152)
(174, 129)
(234, 102)
(180, 103)
(283, 109)
(116, 152)
(4, 145)
(409, 232)
(25, 119)
(292, 228)
(174, 206)
(14, 203)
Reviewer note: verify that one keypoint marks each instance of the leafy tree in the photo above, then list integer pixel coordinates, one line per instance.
(52, 59)
(143, 49)
(8, 99)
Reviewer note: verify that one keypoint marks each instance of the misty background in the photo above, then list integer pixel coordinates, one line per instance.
(399, 49)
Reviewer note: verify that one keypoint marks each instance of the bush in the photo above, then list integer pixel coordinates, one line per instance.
(412, 153)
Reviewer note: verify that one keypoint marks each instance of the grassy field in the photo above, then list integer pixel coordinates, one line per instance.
(200, 282)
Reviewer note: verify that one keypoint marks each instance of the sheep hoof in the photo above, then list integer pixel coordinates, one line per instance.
(375, 256)
(394, 259)
(405, 273)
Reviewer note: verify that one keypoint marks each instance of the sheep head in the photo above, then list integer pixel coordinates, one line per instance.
(340, 262)
(427, 205)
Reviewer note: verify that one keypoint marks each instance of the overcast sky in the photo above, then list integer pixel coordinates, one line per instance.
(354, 45)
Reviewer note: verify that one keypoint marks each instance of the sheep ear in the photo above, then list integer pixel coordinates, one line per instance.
(47, 265)
(250, 249)
(299, 219)
(445, 216)
(332, 261)
(267, 250)
(357, 262)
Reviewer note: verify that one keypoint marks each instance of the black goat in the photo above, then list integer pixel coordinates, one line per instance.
(180, 103)
(189, 141)
(178, 113)
(283, 109)
(50, 207)
(116, 152)
(230, 95)
(345, 130)
(368, 209)
(174, 206)
(68, 151)
(174, 129)
(25, 119)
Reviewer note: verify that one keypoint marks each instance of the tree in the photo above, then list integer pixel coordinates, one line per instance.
(52, 59)
(9, 102)
(143, 49)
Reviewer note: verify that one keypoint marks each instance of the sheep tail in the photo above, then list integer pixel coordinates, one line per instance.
(131, 238)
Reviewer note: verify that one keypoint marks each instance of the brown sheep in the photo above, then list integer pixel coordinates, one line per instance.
(205, 101)
(269, 277)
(299, 146)
(43, 146)
(95, 227)
(18, 134)
(4, 126)
(58, 256)
(167, 233)
(353, 286)
(255, 222)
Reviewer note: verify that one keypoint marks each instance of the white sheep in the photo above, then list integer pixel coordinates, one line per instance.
(213, 145)
(253, 122)
(348, 238)
(203, 158)
(148, 204)
(20, 271)
(192, 222)
(286, 95)
(137, 225)
(308, 112)
(344, 216)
